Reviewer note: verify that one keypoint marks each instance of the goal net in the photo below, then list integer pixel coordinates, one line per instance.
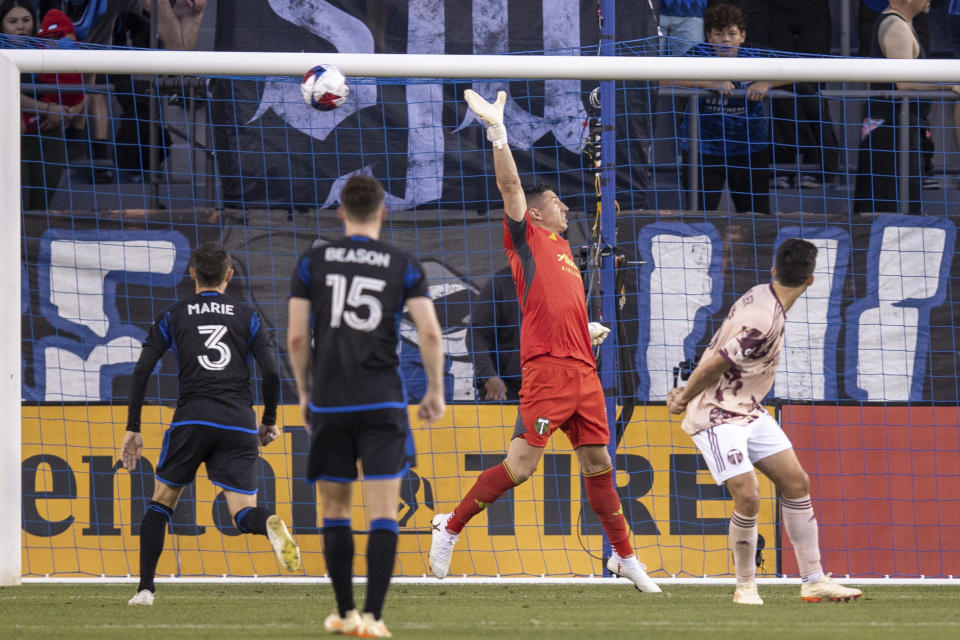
(225, 149)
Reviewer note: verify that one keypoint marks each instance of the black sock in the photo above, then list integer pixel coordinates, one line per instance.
(153, 528)
(338, 553)
(252, 520)
(381, 554)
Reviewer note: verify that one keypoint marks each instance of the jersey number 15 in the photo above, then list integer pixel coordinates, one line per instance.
(356, 298)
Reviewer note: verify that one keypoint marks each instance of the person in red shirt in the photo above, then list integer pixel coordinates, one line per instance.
(57, 26)
(560, 388)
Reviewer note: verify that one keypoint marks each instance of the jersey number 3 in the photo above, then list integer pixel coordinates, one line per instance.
(355, 298)
(215, 333)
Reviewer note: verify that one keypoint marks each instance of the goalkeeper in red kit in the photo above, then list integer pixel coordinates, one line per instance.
(560, 388)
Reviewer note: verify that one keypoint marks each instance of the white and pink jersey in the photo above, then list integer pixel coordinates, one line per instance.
(750, 339)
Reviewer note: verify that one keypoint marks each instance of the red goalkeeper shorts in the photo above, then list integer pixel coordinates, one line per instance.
(565, 394)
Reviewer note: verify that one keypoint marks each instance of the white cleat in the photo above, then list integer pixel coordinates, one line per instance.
(143, 597)
(347, 625)
(441, 545)
(634, 571)
(826, 589)
(370, 627)
(288, 553)
(746, 593)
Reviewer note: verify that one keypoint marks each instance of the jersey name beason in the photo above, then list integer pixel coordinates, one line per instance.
(357, 256)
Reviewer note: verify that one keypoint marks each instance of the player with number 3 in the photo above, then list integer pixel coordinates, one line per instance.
(212, 336)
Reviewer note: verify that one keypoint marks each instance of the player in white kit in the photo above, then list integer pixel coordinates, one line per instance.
(723, 400)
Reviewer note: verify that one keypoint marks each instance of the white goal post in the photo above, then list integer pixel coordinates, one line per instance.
(15, 62)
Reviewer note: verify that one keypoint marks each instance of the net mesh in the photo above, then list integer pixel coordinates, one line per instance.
(867, 388)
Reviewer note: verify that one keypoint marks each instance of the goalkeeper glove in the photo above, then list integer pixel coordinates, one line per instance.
(491, 114)
(598, 333)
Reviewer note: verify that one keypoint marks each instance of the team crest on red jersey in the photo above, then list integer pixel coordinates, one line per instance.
(734, 456)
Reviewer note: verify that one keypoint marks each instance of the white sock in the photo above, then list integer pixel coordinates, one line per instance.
(743, 543)
(801, 526)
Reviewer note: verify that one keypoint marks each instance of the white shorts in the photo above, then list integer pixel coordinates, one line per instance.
(723, 446)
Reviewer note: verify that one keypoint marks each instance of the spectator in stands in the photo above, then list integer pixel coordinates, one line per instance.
(867, 18)
(495, 333)
(55, 25)
(802, 126)
(178, 22)
(734, 145)
(681, 25)
(42, 146)
(878, 179)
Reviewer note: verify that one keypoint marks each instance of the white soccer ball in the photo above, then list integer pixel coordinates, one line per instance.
(324, 87)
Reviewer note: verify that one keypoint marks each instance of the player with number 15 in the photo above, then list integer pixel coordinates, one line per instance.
(348, 297)
(212, 336)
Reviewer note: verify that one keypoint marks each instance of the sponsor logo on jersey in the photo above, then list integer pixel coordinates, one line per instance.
(542, 425)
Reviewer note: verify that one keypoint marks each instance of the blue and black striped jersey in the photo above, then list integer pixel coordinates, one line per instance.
(213, 337)
(357, 288)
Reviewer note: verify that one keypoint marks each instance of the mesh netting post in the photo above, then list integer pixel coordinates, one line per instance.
(10, 494)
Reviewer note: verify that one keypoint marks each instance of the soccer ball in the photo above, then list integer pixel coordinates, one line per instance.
(324, 87)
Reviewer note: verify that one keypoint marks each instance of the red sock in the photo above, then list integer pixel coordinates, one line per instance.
(606, 504)
(492, 483)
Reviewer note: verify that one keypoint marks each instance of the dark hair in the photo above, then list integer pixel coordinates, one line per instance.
(210, 262)
(362, 198)
(796, 260)
(720, 16)
(8, 5)
(536, 191)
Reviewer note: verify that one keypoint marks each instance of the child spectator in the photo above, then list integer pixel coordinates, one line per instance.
(57, 26)
(734, 145)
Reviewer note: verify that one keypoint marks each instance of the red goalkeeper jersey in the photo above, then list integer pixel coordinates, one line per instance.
(550, 290)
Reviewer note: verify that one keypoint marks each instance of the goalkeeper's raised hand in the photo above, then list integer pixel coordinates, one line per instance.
(490, 113)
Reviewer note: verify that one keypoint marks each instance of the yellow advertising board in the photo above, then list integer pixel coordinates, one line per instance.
(81, 509)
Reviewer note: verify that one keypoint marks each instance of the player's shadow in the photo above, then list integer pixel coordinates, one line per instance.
(409, 488)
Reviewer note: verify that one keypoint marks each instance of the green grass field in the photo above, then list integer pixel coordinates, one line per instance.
(243, 612)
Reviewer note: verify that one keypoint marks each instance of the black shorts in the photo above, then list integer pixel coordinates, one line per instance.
(380, 439)
(229, 454)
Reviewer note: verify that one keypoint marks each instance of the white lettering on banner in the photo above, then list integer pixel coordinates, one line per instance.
(680, 285)
(563, 111)
(801, 372)
(77, 281)
(910, 263)
(348, 35)
(69, 377)
(78, 270)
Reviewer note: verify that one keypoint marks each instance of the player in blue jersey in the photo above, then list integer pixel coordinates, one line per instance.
(212, 336)
(347, 298)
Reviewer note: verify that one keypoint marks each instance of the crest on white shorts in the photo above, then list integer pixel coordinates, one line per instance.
(735, 456)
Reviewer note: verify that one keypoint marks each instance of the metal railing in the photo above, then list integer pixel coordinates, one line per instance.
(905, 99)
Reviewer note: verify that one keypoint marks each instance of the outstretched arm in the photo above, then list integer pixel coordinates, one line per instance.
(508, 179)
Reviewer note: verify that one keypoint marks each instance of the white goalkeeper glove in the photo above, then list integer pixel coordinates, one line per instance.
(598, 333)
(491, 114)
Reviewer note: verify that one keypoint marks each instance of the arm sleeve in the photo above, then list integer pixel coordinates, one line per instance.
(414, 281)
(264, 352)
(300, 281)
(157, 341)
